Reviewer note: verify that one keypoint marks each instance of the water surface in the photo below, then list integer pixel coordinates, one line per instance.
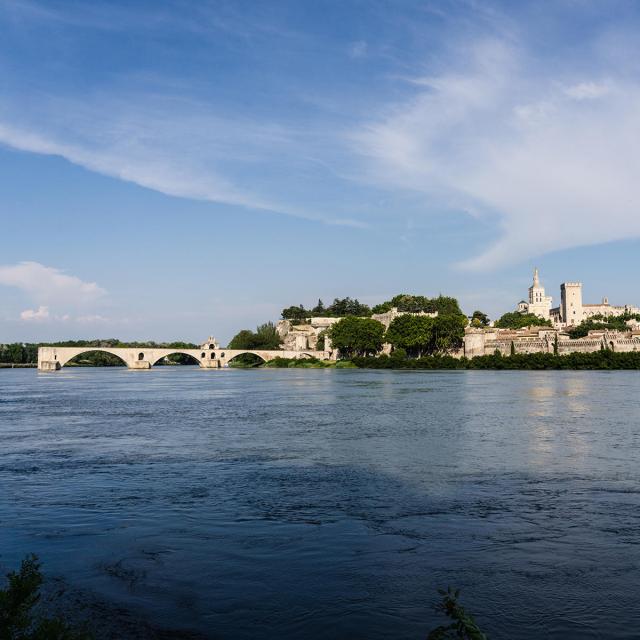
(330, 503)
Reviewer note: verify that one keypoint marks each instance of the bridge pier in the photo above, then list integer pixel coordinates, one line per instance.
(139, 364)
(48, 365)
(210, 364)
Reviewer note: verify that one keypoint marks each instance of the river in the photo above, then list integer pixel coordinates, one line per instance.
(328, 503)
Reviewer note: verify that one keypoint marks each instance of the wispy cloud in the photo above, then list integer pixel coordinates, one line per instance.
(174, 146)
(551, 155)
(48, 285)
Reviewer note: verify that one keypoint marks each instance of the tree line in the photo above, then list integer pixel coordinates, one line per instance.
(413, 336)
(597, 360)
(342, 307)
(598, 321)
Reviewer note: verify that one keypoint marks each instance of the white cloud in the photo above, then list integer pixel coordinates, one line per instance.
(556, 161)
(35, 315)
(48, 284)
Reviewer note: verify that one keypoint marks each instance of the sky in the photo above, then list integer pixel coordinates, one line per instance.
(174, 169)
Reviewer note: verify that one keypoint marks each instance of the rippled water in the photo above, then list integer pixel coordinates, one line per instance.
(330, 503)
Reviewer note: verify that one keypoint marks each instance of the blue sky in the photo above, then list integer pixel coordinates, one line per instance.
(176, 169)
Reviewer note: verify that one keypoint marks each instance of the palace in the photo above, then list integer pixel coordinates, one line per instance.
(571, 311)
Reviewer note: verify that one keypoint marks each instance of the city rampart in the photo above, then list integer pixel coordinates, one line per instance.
(483, 342)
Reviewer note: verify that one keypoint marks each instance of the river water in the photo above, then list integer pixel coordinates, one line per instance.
(329, 503)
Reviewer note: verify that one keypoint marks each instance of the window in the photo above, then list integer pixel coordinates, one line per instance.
(213, 355)
(203, 355)
(141, 356)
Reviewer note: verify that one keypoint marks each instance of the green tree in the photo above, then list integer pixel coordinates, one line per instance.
(357, 336)
(244, 339)
(264, 337)
(341, 308)
(479, 319)
(413, 334)
(448, 332)
(319, 310)
(516, 320)
(295, 313)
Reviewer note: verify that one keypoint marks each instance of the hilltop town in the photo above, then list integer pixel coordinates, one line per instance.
(534, 327)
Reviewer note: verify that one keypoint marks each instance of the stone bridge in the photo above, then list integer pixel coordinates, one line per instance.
(54, 358)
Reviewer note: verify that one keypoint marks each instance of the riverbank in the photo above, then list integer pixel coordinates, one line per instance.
(599, 360)
(21, 365)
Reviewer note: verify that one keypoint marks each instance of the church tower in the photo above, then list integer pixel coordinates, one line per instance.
(539, 303)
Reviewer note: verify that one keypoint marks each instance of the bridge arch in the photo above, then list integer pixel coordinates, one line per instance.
(245, 353)
(83, 351)
(193, 358)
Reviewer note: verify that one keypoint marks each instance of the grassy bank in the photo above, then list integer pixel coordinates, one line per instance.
(599, 360)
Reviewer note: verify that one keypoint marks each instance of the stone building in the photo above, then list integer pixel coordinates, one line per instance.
(571, 311)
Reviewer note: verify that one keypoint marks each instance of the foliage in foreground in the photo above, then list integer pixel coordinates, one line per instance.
(462, 626)
(17, 601)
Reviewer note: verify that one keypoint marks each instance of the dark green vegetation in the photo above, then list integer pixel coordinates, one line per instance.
(516, 320)
(18, 621)
(601, 322)
(337, 309)
(415, 335)
(604, 359)
(264, 337)
(479, 319)
(341, 308)
(18, 353)
(420, 335)
(462, 625)
(357, 336)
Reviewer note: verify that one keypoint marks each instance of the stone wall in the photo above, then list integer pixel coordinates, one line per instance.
(478, 342)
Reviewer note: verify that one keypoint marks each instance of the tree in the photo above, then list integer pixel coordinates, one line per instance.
(341, 308)
(357, 336)
(295, 313)
(516, 320)
(319, 309)
(267, 337)
(448, 332)
(264, 337)
(382, 308)
(413, 334)
(244, 339)
(17, 620)
(479, 319)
